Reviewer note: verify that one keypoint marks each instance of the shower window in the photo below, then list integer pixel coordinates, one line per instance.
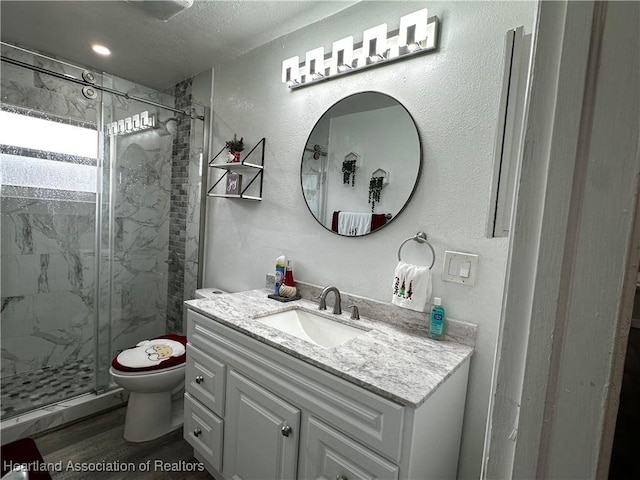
(61, 156)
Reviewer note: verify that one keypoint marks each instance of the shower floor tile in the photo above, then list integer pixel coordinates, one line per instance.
(29, 390)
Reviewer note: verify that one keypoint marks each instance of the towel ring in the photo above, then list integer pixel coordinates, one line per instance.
(419, 237)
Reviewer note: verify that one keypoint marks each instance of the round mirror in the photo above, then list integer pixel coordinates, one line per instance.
(361, 164)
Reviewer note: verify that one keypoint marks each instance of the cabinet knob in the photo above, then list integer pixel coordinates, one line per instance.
(341, 477)
(199, 379)
(197, 432)
(286, 430)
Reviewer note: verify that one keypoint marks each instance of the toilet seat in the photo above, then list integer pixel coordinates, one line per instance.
(168, 364)
(138, 373)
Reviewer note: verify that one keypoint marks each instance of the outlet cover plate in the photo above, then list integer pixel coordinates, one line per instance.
(460, 267)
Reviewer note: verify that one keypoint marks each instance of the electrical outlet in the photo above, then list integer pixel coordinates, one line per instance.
(460, 268)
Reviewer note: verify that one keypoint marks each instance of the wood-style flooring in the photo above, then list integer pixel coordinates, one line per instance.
(98, 442)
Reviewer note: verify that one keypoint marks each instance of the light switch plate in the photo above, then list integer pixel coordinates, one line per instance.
(460, 267)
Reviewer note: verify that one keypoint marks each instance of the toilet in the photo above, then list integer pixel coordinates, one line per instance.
(153, 372)
(154, 378)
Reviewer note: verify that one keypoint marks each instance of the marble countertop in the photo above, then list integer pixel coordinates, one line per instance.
(401, 365)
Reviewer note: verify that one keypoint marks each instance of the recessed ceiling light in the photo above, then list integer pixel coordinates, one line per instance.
(101, 50)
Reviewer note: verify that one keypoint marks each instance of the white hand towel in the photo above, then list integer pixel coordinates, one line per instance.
(411, 286)
(352, 224)
(149, 353)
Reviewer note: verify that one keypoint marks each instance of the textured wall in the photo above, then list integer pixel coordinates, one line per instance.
(453, 96)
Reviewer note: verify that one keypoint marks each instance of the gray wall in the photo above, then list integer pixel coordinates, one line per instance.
(453, 96)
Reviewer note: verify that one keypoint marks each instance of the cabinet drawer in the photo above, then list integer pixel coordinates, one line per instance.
(203, 430)
(206, 379)
(331, 454)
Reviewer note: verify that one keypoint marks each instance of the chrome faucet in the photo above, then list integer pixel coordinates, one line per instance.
(337, 308)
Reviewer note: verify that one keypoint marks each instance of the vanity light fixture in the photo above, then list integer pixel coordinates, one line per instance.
(417, 34)
(314, 63)
(146, 120)
(374, 45)
(291, 71)
(341, 56)
(413, 31)
(135, 123)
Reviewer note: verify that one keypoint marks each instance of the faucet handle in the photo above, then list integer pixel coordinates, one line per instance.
(355, 313)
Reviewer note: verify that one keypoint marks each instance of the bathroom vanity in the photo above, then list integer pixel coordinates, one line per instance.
(261, 403)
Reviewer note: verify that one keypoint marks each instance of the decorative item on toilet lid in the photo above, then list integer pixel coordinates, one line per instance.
(155, 354)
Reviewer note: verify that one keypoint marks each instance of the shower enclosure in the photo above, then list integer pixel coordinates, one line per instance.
(100, 210)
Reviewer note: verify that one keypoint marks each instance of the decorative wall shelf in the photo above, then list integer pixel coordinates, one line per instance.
(243, 168)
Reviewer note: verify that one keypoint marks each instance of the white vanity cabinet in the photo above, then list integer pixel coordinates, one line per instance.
(253, 411)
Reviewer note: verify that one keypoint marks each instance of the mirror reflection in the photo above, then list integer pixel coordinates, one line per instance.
(361, 164)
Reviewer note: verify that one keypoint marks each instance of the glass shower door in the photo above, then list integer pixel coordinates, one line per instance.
(100, 223)
(48, 166)
(135, 207)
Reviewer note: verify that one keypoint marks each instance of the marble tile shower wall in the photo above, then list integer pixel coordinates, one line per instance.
(48, 261)
(141, 215)
(48, 245)
(44, 93)
(141, 238)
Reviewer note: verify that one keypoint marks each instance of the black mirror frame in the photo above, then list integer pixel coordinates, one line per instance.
(418, 174)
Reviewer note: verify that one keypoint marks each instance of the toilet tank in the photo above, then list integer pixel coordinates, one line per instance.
(208, 292)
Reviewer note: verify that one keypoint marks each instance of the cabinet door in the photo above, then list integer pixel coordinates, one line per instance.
(331, 455)
(261, 433)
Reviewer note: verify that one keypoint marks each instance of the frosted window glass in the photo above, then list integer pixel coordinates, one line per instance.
(39, 173)
(20, 131)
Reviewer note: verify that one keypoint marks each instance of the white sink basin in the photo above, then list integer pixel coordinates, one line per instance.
(309, 326)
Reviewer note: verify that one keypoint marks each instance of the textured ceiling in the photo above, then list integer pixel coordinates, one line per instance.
(148, 50)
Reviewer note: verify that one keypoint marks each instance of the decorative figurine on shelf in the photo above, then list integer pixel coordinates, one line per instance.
(234, 146)
(234, 183)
